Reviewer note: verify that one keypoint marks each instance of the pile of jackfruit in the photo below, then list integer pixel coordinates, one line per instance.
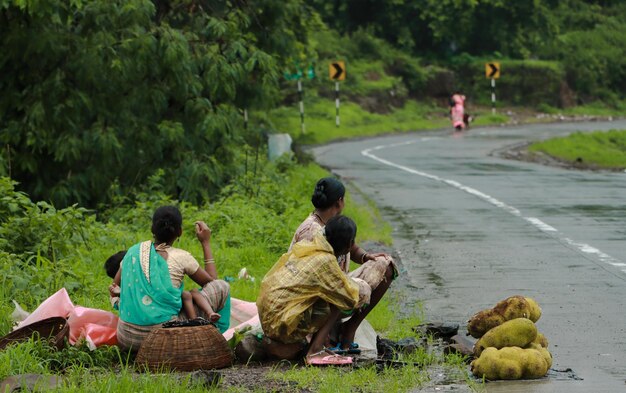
(509, 345)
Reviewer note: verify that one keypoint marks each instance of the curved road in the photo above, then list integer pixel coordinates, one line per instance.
(473, 229)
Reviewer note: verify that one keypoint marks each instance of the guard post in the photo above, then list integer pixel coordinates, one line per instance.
(337, 72)
(492, 71)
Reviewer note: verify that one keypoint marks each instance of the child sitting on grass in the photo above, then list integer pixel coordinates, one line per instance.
(189, 298)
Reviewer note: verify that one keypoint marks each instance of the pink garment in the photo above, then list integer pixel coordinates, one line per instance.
(457, 111)
(97, 327)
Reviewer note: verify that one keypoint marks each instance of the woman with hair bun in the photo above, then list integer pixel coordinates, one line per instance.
(303, 295)
(150, 280)
(378, 269)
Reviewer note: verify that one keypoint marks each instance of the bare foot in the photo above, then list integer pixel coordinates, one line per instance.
(214, 317)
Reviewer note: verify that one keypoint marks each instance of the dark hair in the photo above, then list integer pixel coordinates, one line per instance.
(167, 223)
(340, 232)
(327, 191)
(112, 264)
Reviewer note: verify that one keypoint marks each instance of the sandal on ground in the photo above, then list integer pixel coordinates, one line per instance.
(330, 359)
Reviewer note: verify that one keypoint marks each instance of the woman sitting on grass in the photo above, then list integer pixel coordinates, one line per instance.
(151, 276)
(305, 291)
(377, 269)
(190, 298)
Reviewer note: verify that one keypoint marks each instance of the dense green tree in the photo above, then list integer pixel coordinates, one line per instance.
(102, 92)
(591, 48)
(447, 27)
(585, 36)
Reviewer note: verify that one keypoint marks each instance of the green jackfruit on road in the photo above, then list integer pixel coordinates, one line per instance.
(511, 363)
(542, 350)
(541, 340)
(507, 309)
(535, 310)
(517, 332)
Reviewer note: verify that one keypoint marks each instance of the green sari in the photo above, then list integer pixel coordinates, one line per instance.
(147, 295)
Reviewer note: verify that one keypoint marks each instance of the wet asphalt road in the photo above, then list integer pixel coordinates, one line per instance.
(473, 228)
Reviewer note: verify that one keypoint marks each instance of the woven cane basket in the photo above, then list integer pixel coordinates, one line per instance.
(55, 329)
(185, 349)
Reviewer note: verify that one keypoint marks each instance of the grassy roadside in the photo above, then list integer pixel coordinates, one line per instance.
(252, 224)
(320, 126)
(600, 149)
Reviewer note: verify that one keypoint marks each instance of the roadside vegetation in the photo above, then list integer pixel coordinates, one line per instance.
(111, 108)
(99, 96)
(599, 150)
(44, 249)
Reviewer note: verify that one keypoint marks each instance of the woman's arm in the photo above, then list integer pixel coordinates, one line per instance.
(203, 233)
(201, 277)
(360, 256)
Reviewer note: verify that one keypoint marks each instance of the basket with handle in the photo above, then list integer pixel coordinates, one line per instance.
(54, 329)
(185, 348)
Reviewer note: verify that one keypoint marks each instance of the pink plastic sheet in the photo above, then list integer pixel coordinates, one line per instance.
(97, 327)
(242, 314)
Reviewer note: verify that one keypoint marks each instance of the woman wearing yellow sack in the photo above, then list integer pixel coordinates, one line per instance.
(377, 269)
(305, 291)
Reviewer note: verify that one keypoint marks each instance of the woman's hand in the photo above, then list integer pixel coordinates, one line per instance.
(114, 290)
(372, 256)
(203, 232)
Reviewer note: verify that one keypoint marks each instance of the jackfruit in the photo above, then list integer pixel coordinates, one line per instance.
(541, 340)
(543, 351)
(507, 309)
(517, 332)
(510, 363)
(483, 321)
(513, 307)
(535, 310)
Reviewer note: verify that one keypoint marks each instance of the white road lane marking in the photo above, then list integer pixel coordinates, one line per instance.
(536, 222)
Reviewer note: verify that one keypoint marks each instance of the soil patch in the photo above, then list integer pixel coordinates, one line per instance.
(255, 377)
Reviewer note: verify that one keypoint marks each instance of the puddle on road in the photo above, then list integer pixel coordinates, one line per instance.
(588, 210)
(487, 167)
(435, 279)
(563, 375)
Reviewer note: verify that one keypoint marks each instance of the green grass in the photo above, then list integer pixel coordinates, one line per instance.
(355, 121)
(252, 224)
(368, 77)
(599, 148)
(393, 323)
(486, 118)
(368, 379)
(616, 109)
(597, 109)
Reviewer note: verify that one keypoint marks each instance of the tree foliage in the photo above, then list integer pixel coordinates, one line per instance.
(591, 48)
(586, 36)
(101, 92)
(447, 27)
(101, 95)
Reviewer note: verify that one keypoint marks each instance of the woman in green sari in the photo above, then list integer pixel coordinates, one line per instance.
(151, 280)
